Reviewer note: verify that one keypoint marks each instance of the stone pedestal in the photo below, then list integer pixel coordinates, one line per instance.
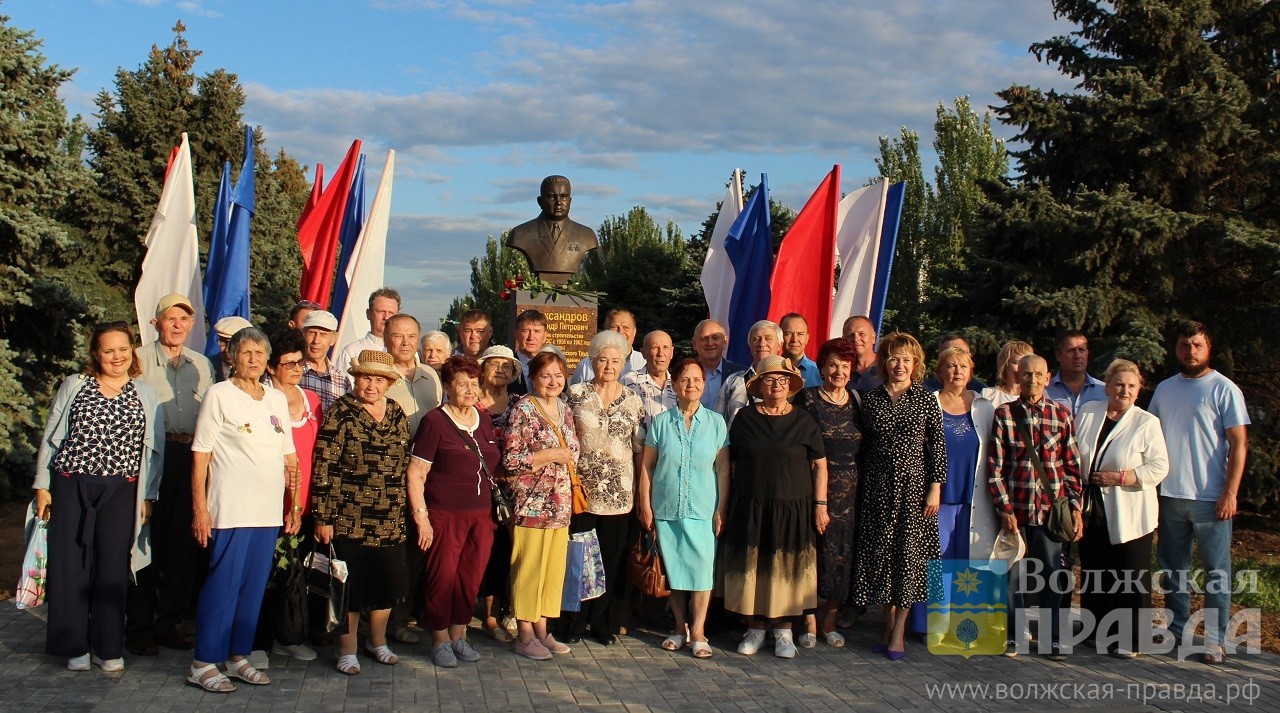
(571, 321)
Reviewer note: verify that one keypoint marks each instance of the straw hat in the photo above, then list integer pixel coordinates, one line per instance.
(372, 362)
(498, 351)
(775, 365)
(1009, 547)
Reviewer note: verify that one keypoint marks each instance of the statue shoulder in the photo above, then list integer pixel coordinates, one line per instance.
(524, 231)
(582, 233)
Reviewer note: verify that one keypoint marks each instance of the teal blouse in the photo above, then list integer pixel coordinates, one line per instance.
(684, 479)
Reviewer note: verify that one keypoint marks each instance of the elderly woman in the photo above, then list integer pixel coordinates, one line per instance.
(1124, 448)
(539, 458)
(904, 465)
(684, 483)
(358, 499)
(100, 460)
(777, 499)
(434, 348)
(498, 368)
(967, 524)
(608, 418)
(1008, 388)
(450, 493)
(835, 407)
(244, 466)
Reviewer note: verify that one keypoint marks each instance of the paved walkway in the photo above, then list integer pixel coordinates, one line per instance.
(638, 676)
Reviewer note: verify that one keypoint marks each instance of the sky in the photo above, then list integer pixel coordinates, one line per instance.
(638, 102)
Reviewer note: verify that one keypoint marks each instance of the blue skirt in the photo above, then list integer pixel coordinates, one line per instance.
(688, 550)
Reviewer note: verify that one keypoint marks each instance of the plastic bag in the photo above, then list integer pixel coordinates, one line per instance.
(31, 585)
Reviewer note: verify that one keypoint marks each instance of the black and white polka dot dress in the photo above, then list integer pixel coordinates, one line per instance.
(903, 451)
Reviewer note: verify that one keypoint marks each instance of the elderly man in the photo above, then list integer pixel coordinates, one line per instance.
(225, 329)
(932, 384)
(180, 376)
(1030, 436)
(1072, 386)
(383, 303)
(862, 333)
(795, 338)
(434, 348)
(419, 390)
(764, 339)
(710, 339)
(475, 329)
(1205, 423)
(320, 376)
(531, 337)
(653, 382)
(624, 323)
(300, 311)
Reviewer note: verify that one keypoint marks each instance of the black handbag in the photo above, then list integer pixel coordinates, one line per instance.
(327, 592)
(1058, 523)
(291, 598)
(503, 506)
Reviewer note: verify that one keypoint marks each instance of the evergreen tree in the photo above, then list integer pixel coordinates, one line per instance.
(41, 320)
(900, 161)
(1147, 196)
(489, 292)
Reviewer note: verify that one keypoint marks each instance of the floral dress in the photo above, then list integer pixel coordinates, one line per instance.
(610, 436)
(543, 499)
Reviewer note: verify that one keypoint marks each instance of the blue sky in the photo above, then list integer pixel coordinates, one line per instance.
(639, 102)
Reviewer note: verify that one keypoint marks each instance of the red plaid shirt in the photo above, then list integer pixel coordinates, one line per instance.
(1012, 481)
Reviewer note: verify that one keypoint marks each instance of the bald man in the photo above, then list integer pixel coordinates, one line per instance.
(653, 382)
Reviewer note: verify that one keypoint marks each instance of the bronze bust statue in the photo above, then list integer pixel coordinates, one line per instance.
(554, 245)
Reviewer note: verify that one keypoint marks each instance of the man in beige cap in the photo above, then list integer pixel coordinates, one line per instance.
(322, 377)
(226, 328)
(180, 376)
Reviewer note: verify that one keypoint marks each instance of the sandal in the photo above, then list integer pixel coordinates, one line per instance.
(405, 635)
(701, 649)
(210, 679)
(245, 671)
(807, 640)
(382, 654)
(675, 642)
(1214, 656)
(834, 638)
(349, 664)
(499, 634)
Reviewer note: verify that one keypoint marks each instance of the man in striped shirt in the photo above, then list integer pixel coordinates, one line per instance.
(1040, 424)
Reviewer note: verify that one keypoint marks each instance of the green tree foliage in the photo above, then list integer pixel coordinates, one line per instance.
(41, 320)
(900, 161)
(1145, 197)
(489, 273)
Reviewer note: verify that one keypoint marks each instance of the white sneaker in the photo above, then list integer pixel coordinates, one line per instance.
(79, 663)
(301, 652)
(259, 660)
(783, 646)
(108, 665)
(751, 642)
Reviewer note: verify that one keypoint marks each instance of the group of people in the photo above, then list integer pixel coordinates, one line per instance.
(799, 491)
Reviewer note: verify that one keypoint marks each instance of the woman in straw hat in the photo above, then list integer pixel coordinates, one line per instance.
(777, 506)
(358, 495)
(498, 368)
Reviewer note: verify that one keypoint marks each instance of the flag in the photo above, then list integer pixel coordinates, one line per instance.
(352, 224)
(172, 263)
(214, 265)
(229, 295)
(717, 270)
(364, 272)
(319, 230)
(861, 216)
(749, 246)
(888, 243)
(805, 272)
(317, 188)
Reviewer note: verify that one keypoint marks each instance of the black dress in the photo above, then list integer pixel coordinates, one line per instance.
(903, 451)
(770, 562)
(841, 439)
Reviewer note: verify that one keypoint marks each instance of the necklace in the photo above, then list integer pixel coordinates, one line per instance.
(468, 416)
(832, 397)
(782, 410)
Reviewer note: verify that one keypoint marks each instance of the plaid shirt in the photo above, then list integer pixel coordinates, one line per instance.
(1013, 483)
(657, 399)
(328, 385)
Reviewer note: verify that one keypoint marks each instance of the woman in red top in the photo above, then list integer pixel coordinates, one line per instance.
(450, 481)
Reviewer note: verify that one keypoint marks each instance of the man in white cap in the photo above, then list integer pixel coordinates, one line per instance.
(383, 303)
(165, 589)
(324, 378)
(226, 328)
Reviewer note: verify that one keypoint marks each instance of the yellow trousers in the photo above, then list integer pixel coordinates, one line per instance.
(537, 571)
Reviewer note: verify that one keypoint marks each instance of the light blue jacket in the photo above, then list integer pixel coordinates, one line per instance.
(149, 468)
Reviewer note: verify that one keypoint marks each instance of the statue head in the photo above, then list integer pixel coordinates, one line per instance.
(554, 197)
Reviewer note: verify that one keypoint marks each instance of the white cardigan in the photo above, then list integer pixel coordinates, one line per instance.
(983, 525)
(1135, 443)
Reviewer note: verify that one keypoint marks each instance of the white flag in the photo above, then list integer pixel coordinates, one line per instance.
(368, 262)
(172, 263)
(717, 271)
(860, 216)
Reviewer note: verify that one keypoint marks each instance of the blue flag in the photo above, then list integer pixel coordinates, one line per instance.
(888, 242)
(352, 224)
(227, 288)
(749, 246)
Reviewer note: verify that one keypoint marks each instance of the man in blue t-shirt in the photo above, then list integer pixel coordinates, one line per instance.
(1204, 419)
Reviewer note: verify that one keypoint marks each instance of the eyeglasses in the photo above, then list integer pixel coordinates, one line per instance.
(296, 364)
(775, 380)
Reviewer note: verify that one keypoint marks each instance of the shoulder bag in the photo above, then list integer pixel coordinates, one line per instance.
(1058, 522)
(503, 507)
(580, 502)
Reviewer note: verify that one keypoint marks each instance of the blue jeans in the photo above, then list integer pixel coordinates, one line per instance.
(1182, 522)
(1049, 554)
